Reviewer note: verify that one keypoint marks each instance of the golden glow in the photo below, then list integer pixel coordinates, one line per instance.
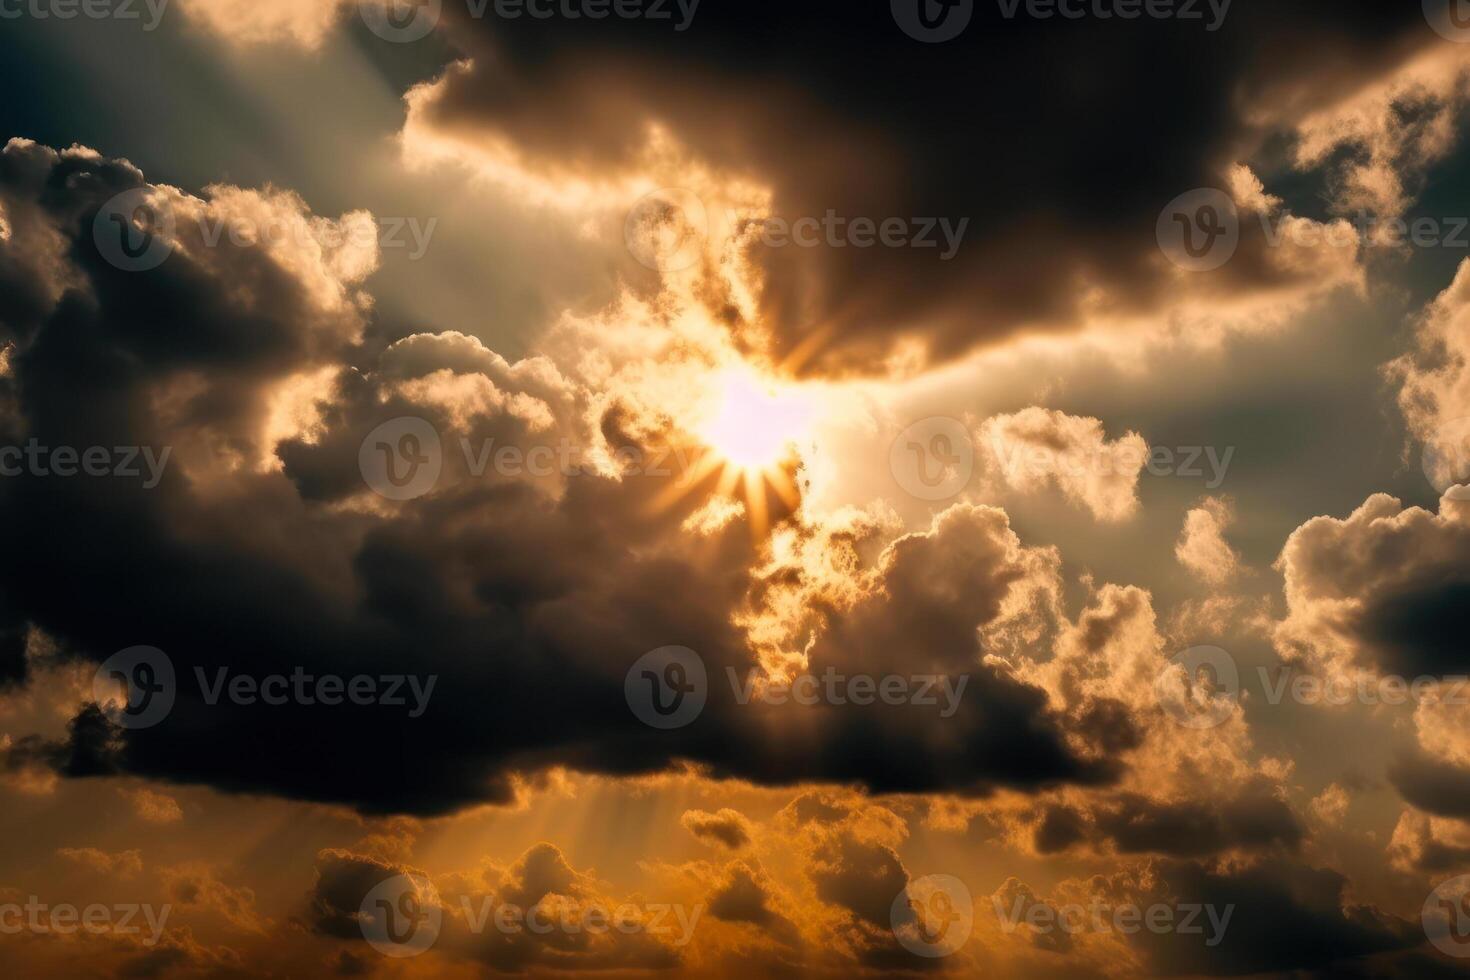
(754, 423)
(750, 427)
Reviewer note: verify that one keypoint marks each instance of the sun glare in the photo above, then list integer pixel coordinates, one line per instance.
(749, 425)
(753, 424)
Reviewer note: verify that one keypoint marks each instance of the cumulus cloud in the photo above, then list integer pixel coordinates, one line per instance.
(1202, 547)
(1381, 591)
(1036, 447)
(727, 827)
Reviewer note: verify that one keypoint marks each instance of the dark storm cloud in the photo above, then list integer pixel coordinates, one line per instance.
(528, 608)
(1434, 785)
(1287, 917)
(1387, 584)
(1061, 141)
(1252, 820)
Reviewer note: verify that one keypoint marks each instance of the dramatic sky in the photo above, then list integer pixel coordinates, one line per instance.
(811, 488)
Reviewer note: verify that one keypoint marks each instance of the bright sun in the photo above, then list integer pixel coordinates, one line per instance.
(754, 423)
(750, 425)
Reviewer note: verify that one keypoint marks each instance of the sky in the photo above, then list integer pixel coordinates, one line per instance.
(657, 488)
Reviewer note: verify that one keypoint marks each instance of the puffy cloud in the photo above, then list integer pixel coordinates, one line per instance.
(125, 864)
(1037, 447)
(1202, 547)
(1381, 591)
(1435, 384)
(727, 827)
(154, 807)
